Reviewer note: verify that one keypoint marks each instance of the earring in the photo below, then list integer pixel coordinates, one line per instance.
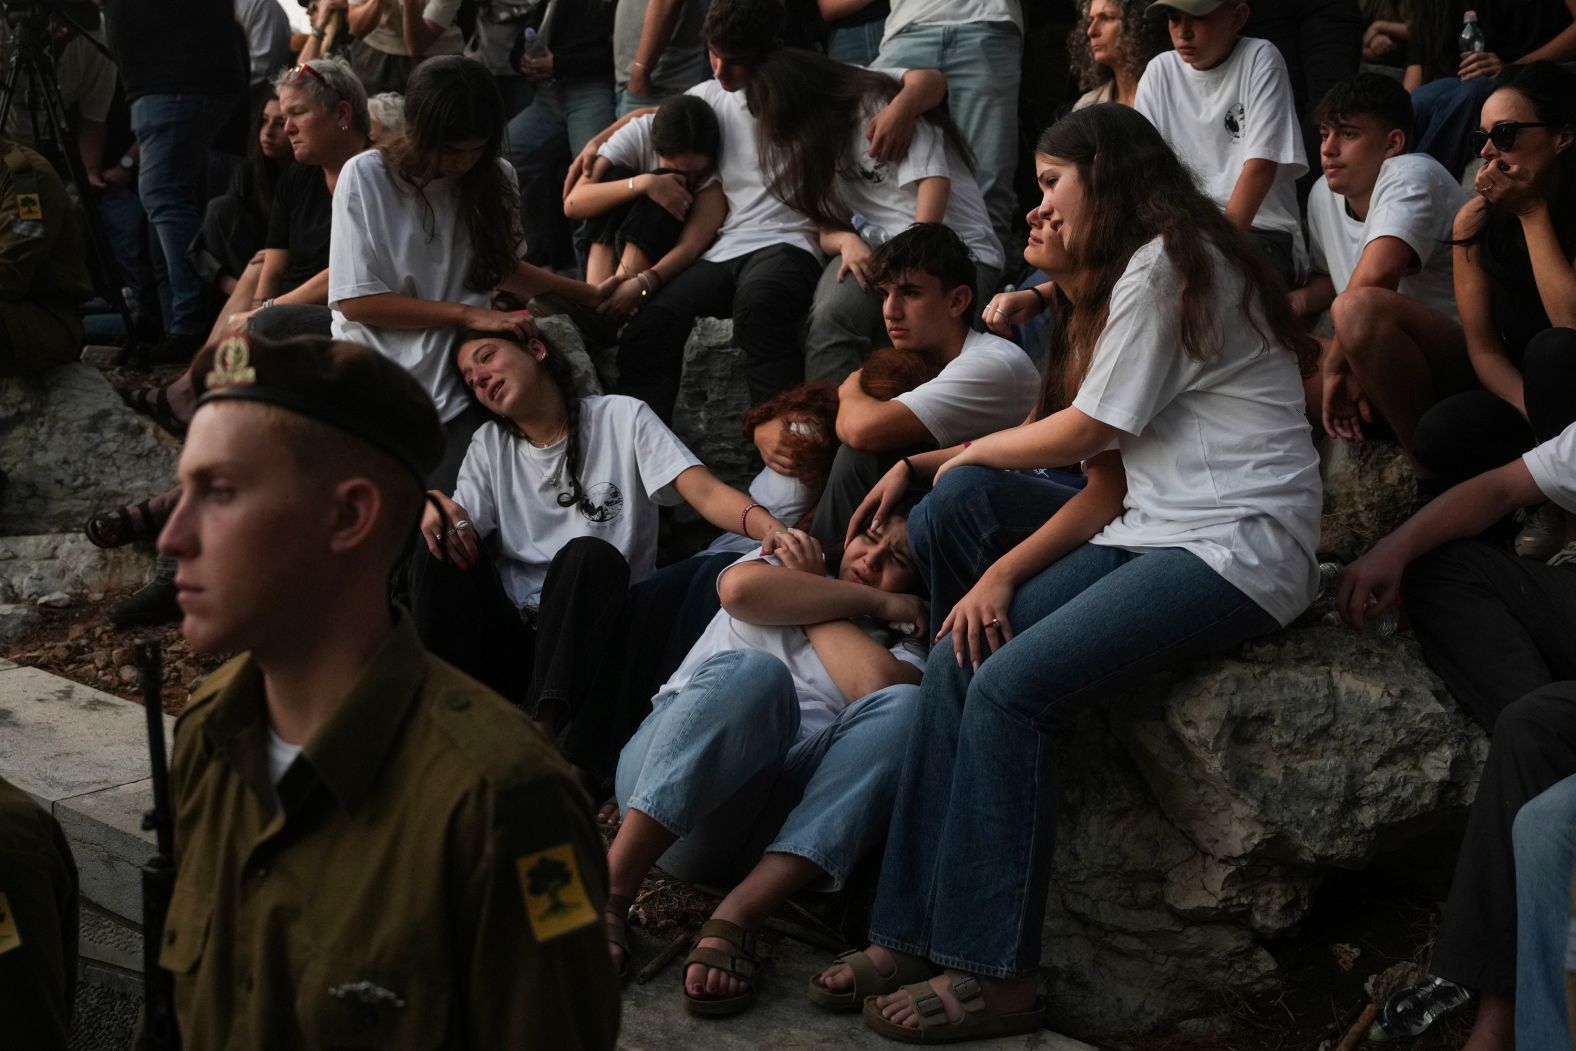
(344, 127)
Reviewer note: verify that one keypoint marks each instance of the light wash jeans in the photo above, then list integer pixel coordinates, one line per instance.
(857, 45)
(176, 134)
(1544, 834)
(967, 865)
(719, 764)
(576, 109)
(982, 63)
(845, 321)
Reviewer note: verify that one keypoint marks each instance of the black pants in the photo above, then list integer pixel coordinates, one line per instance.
(642, 222)
(593, 657)
(1466, 434)
(767, 293)
(1534, 749)
(853, 472)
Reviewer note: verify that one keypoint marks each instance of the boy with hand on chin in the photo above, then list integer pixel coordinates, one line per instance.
(1224, 103)
(1379, 231)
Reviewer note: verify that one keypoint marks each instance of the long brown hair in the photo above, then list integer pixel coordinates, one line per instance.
(449, 98)
(1138, 190)
(807, 107)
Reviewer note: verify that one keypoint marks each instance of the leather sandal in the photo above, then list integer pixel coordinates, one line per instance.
(124, 525)
(154, 402)
(742, 964)
(979, 1020)
(868, 980)
(618, 936)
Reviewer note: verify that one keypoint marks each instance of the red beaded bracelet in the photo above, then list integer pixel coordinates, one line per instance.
(744, 517)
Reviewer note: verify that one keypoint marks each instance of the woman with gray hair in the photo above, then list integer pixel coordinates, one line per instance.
(326, 123)
(388, 117)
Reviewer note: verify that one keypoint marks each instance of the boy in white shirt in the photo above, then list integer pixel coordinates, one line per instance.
(986, 384)
(1224, 103)
(1379, 230)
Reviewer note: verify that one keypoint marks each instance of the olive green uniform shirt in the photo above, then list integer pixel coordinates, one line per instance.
(38, 925)
(430, 877)
(43, 265)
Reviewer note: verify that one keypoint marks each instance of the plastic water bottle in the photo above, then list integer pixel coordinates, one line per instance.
(1383, 625)
(535, 47)
(1471, 39)
(1409, 1012)
(871, 234)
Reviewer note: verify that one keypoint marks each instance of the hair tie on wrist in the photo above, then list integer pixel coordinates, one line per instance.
(909, 465)
(1045, 304)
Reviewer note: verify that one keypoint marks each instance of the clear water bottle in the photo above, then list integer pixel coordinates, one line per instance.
(535, 46)
(1383, 624)
(871, 234)
(1410, 1011)
(1471, 39)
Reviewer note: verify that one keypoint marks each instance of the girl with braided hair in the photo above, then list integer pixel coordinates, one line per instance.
(542, 582)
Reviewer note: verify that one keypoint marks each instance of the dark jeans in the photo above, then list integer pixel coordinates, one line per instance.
(1493, 626)
(590, 659)
(1444, 111)
(1534, 749)
(1466, 434)
(767, 293)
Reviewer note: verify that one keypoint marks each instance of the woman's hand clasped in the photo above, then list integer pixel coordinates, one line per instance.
(1509, 186)
(450, 537)
(1007, 309)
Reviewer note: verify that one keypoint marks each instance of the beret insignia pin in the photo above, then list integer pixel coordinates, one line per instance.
(232, 365)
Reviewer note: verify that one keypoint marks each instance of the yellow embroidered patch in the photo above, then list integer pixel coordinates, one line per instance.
(10, 937)
(28, 206)
(556, 901)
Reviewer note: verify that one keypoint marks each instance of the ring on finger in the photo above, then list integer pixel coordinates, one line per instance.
(992, 623)
(462, 524)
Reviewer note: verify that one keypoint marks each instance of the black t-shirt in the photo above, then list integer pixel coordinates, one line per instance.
(299, 223)
(177, 47)
(1511, 29)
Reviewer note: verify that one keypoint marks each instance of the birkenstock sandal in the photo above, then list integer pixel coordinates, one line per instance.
(979, 1021)
(868, 980)
(742, 964)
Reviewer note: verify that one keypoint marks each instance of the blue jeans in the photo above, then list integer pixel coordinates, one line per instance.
(967, 864)
(719, 764)
(176, 134)
(1443, 112)
(982, 64)
(1544, 834)
(972, 518)
(857, 45)
(576, 109)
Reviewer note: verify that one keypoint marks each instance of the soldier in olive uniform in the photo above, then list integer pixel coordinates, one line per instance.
(374, 851)
(38, 925)
(43, 265)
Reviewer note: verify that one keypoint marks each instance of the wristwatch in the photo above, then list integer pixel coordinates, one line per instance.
(128, 162)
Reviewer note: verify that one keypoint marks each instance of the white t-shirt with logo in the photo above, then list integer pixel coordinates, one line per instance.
(1414, 199)
(888, 194)
(905, 13)
(384, 239)
(756, 219)
(1218, 119)
(1218, 454)
(629, 461)
(991, 385)
(1553, 468)
(820, 701)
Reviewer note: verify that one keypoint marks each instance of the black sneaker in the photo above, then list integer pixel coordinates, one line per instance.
(152, 604)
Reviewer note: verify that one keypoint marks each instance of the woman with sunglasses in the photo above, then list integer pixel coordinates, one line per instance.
(1515, 282)
(425, 230)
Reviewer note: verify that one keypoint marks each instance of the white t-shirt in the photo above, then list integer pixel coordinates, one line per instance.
(1414, 199)
(905, 13)
(629, 460)
(389, 35)
(756, 218)
(281, 754)
(1218, 119)
(989, 386)
(820, 701)
(783, 495)
(888, 194)
(1553, 468)
(631, 147)
(385, 240)
(1218, 454)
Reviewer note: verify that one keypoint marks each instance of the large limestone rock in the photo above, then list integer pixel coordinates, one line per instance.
(1200, 811)
(70, 448)
(560, 330)
(32, 567)
(1369, 489)
(712, 402)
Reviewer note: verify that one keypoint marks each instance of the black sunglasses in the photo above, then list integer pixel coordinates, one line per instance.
(1502, 135)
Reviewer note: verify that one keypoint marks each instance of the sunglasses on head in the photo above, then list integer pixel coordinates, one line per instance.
(1502, 135)
(296, 74)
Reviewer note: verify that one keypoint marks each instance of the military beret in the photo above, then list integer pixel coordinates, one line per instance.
(345, 385)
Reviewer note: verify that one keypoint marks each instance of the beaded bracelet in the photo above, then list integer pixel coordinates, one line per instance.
(744, 517)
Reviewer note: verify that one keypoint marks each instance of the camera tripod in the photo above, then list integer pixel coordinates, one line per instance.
(33, 59)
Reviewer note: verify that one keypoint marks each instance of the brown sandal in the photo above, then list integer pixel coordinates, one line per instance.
(740, 964)
(979, 1020)
(868, 980)
(618, 936)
